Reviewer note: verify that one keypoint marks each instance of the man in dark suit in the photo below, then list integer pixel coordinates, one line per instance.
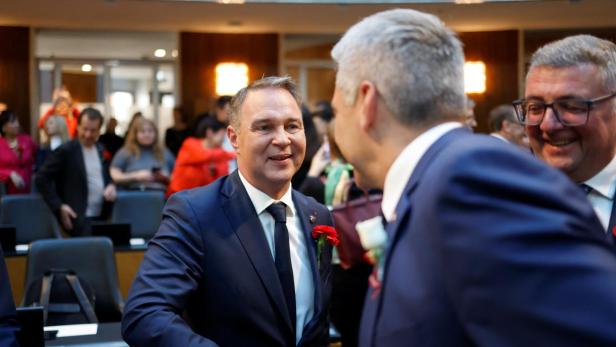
(8, 318)
(75, 181)
(226, 269)
(569, 109)
(486, 246)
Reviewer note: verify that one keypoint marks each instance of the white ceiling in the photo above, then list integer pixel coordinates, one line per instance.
(174, 16)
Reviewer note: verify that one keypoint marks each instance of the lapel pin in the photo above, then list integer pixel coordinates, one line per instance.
(313, 217)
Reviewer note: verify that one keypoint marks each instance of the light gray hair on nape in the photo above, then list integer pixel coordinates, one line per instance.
(282, 82)
(415, 61)
(580, 50)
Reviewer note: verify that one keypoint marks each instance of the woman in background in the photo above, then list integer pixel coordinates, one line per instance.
(57, 134)
(62, 106)
(142, 164)
(201, 160)
(17, 153)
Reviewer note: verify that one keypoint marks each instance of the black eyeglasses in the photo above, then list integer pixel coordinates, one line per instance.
(569, 112)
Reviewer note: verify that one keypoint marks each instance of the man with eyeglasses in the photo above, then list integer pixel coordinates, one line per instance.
(569, 110)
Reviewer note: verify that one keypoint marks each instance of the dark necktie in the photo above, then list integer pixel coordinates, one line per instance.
(283, 256)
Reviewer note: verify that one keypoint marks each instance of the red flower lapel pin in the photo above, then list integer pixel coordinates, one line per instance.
(323, 234)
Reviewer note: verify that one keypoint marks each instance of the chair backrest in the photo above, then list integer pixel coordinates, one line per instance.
(142, 210)
(92, 259)
(31, 217)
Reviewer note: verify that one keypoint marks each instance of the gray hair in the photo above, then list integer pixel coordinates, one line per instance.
(580, 50)
(499, 114)
(284, 82)
(415, 61)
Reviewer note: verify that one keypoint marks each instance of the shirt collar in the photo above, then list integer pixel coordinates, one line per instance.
(402, 168)
(261, 201)
(604, 182)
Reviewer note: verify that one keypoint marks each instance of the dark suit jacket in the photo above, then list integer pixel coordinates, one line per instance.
(210, 260)
(491, 247)
(8, 318)
(63, 179)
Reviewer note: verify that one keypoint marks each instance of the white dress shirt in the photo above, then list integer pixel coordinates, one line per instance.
(95, 183)
(603, 187)
(300, 260)
(404, 165)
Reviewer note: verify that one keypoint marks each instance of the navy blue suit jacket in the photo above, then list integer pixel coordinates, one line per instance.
(490, 247)
(8, 318)
(211, 263)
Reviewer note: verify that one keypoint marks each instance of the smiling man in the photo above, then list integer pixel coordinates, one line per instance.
(236, 257)
(569, 109)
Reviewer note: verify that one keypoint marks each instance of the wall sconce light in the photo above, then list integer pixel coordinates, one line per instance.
(231, 77)
(474, 77)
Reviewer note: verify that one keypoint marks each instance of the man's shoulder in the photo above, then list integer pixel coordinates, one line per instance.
(202, 196)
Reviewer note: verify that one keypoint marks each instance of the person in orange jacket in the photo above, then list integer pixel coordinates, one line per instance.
(201, 159)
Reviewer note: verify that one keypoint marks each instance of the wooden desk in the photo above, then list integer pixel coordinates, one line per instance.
(127, 263)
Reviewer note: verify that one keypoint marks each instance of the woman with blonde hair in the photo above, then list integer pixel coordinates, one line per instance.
(142, 164)
(57, 134)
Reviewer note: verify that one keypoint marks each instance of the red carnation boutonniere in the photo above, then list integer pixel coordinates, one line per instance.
(323, 234)
(107, 155)
(614, 231)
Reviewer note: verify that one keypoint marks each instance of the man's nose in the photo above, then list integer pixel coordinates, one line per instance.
(550, 121)
(281, 137)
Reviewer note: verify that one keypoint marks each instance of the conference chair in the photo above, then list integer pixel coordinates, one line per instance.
(31, 217)
(92, 259)
(142, 210)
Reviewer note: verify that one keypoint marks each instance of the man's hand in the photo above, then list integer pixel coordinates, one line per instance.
(18, 181)
(66, 216)
(110, 192)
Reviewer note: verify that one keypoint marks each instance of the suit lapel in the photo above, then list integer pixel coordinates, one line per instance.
(304, 211)
(247, 226)
(403, 209)
(81, 165)
(372, 308)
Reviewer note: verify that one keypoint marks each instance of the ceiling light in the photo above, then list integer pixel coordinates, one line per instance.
(86, 67)
(160, 53)
(231, 77)
(474, 77)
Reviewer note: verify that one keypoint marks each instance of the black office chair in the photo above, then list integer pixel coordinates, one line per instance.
(142, 210)
(31, 216)
(92, 259)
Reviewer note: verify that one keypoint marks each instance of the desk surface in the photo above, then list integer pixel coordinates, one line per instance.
(108, 335)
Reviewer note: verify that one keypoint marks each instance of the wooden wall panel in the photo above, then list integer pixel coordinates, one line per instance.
(82, 86)
(499, 51)
(15, 72)
(200, 52)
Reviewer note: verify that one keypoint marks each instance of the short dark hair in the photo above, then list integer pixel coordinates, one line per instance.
(223, 100)
(208, 123)
(5, 117)
(323, 111)
(92, 114)
(499, 114)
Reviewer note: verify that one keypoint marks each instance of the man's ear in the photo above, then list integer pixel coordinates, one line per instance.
(232, 134)
(367, 99)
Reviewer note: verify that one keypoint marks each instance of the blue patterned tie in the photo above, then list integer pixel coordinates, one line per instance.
(283, 256)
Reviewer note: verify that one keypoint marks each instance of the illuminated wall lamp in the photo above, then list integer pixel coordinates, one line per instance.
(474, 77)
(231, 77)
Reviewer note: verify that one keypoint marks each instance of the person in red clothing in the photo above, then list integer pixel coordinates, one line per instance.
(62, 106)
(17, 153)
(201, 159)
